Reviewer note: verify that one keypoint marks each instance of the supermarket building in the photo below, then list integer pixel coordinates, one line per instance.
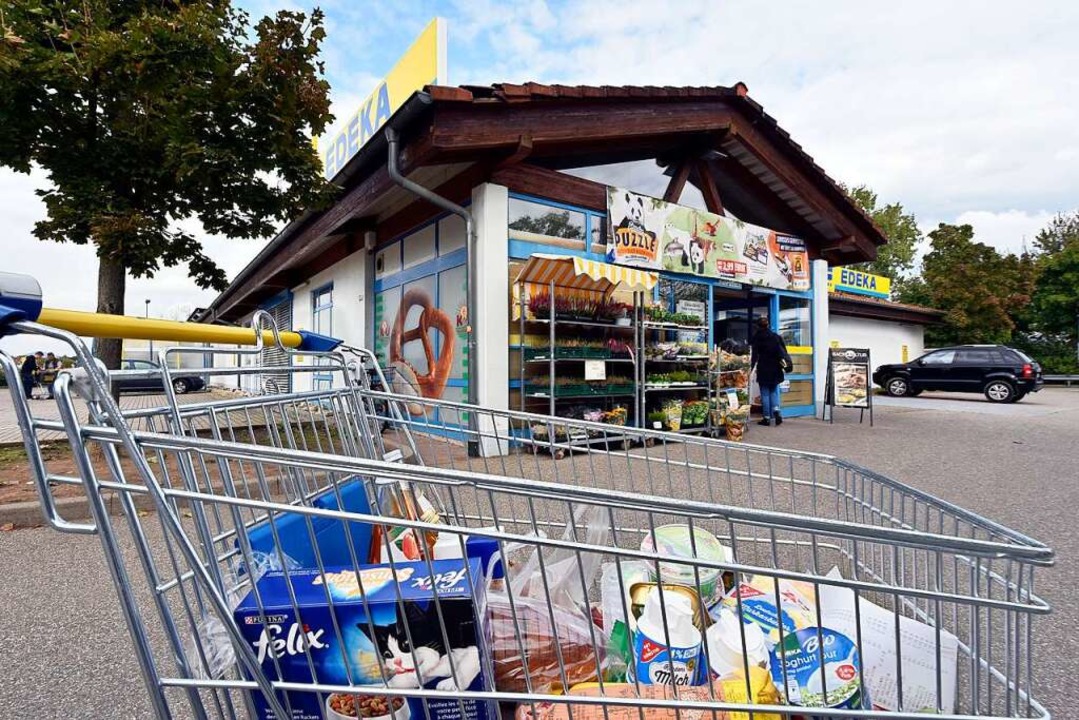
(532, 170)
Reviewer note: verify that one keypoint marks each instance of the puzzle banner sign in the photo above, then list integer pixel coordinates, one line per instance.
(647, 232)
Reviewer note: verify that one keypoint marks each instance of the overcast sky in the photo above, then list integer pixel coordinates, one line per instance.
(962, 111)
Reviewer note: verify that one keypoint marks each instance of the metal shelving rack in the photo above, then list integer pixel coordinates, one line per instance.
(551, 359)
(700, 362)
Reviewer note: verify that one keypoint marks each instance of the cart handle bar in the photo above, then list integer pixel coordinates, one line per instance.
(20, 299)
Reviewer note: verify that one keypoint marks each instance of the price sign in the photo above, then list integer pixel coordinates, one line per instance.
(595, 370)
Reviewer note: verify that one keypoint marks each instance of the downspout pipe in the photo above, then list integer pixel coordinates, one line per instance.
(393, 168)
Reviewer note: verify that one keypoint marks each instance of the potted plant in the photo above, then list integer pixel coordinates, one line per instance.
(657, 416)
(672, 409)
(539, 304)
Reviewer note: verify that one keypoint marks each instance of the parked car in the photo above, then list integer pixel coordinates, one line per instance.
(181, 382)
(1002, 373)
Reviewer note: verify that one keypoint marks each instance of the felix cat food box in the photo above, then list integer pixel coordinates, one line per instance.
(395, 638)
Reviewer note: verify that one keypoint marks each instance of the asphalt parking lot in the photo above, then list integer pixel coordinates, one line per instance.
(64, 651)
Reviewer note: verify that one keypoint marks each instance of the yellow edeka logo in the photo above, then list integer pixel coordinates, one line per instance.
(423, 63)
(858, 282)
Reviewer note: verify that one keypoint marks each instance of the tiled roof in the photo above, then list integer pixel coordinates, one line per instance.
(539, 92)
(881, 302)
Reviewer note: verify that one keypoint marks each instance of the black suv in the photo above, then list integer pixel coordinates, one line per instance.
(1002, 373)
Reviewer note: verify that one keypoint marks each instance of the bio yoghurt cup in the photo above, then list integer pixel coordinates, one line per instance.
(835, 683)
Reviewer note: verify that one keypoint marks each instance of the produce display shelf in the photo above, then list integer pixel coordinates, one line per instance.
(678, 358)
(585, 323)
(672, 326)
(674, 388)
(576, 359)
(547, 396)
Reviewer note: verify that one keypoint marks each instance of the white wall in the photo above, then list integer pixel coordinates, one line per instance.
(490, 213)
(884, 339)
(348, 314)
(821, 330)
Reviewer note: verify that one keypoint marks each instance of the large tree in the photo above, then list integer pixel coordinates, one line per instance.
(980, 290)
(148, 113)
(1061, 231)
(896, 259)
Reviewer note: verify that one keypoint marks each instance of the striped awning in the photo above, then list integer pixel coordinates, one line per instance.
(577, 273)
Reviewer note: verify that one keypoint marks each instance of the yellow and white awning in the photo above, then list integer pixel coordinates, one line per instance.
(577, 273)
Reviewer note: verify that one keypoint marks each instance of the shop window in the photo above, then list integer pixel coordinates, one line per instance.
(799, 392)
(419, 247)
(451, 234)
(535, 222)
(322, 323)
(794, 321)
(388, 261)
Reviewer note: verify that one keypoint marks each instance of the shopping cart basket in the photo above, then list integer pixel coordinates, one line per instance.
(555, 560)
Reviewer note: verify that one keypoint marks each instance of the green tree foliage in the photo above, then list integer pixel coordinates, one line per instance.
(555, 223)
(1063, 230)
(979, 290)
(896, 259)
(145, 114)
(1056, 298)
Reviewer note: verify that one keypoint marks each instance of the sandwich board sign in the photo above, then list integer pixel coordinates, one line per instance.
(848, 382)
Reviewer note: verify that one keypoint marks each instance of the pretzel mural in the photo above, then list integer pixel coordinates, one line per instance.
(433, 383)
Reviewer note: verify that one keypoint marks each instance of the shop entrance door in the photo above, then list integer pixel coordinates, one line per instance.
(736, 312)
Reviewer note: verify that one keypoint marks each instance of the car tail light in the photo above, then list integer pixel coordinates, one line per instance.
(1028, 370)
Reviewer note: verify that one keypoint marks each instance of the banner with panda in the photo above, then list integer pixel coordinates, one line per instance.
(647, 232)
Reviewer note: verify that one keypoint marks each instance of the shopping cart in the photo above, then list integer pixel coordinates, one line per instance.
(554, 559)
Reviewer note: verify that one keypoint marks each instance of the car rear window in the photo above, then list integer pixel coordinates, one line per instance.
(977, 357)
(1022, 355)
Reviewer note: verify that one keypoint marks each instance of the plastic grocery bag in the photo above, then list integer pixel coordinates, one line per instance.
(534, 643)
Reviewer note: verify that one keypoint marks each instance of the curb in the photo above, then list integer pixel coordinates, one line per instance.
(28, 514)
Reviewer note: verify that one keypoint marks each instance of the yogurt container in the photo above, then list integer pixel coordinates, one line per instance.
(675, 540)
(666, 654)
(835, 684)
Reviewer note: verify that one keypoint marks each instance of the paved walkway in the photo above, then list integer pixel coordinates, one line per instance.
(47, 410)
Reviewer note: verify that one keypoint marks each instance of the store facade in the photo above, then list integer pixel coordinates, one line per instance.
(535, 168)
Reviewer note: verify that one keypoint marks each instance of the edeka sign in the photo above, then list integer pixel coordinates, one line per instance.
(650, 233)
(422, 64)
(860, 283)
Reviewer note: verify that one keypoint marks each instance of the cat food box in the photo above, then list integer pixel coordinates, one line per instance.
(393, 638)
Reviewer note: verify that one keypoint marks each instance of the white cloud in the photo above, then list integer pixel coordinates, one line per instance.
(1007, 230)
(963, 111)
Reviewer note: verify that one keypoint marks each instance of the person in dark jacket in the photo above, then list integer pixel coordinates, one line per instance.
(27, 371)
(770, 358)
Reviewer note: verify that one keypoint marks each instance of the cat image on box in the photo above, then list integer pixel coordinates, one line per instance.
(414, 647)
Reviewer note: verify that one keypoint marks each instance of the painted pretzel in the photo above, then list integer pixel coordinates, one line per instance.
(433, 383)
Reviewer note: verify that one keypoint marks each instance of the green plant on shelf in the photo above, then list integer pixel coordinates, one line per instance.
(659, 314)
(694, 412)
(674, 377)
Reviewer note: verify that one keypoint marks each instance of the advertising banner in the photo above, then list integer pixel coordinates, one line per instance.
(424, 63)
(849, 280)
(849, 371)
(647, 232)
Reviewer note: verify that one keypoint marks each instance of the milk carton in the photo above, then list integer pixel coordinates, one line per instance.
(671, 654)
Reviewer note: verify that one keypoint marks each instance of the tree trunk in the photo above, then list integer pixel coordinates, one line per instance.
(111, 282)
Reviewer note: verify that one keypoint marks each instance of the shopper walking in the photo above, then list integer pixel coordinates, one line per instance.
(771, 359)
(48, 375)
(27, 371)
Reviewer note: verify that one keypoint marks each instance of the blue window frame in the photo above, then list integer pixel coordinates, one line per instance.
(322, 323)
